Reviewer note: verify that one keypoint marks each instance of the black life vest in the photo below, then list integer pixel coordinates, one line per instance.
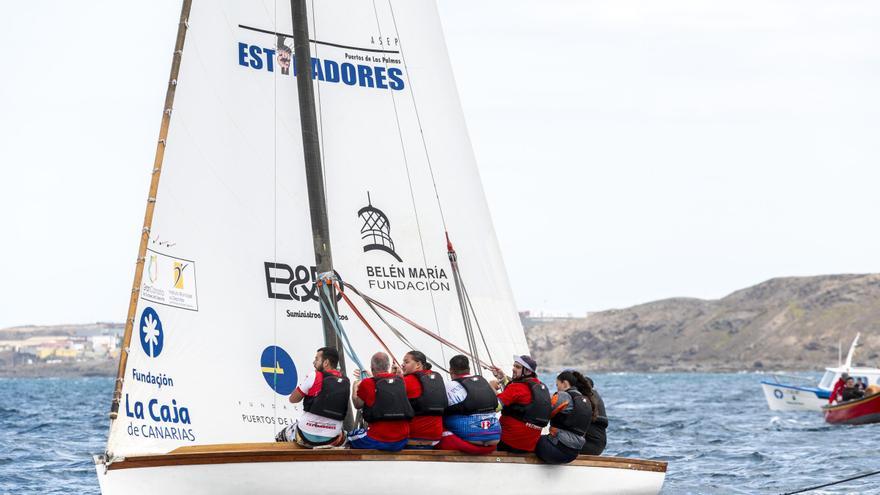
(391, 402)
(332, 401)
(537, 411)
(595, 436)
(578, 420)
(480, 397)
(433, 400)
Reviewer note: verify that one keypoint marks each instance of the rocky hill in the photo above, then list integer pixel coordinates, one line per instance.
(790, 323)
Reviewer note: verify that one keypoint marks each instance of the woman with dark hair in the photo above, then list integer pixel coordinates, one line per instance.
(570, 419)
(595, 437)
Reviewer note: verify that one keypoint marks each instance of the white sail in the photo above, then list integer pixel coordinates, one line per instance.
(227, 319)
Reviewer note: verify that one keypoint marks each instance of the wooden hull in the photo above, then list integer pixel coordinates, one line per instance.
(281, 469)
(855, 412)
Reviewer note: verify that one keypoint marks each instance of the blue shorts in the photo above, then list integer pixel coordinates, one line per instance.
(483, 427)
(358, 439)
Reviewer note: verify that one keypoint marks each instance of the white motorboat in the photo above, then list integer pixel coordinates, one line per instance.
(797, 393)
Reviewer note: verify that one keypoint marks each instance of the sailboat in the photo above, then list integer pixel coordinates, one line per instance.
(262, 170)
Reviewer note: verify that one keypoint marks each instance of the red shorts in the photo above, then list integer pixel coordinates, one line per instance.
(452, 442)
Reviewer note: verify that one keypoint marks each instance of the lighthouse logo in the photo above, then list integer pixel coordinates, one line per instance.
(376, 230)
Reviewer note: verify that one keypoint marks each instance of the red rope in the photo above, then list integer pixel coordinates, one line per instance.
(412, 323)
(366, 324)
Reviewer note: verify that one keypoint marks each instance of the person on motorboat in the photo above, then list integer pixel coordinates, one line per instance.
(595, 437)
(324, 394)
(386, 409)
(569, 420)
(427, 396)
(526, 406)
(470, 422)
(838, 388)
(851, 391)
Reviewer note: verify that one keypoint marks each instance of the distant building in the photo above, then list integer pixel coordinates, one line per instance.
(104, 344)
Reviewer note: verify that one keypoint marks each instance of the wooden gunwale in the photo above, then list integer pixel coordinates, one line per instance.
(280, 452)
(848, 404)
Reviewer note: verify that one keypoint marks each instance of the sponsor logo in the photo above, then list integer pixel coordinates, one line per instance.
(376, 235)
(151, 333)
(166, 415)
(354, 66)
(179, 290)
(152, 270)
(278, 370)
(376, 231)
(178, 274)
(158, 379)
(297, 284)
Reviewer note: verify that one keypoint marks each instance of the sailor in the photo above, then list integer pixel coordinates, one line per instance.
(595, 437)
(851, 391)
(427, 395)
(526, 406)
(470, 423)
(838, 388)
(324, 394)
(382, 397)
(569, 420)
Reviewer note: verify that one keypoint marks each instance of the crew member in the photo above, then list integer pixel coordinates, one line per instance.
(427, 395)
(324, 394)
(526, 406)
(851, 391)
(382, 396)
(596, 438)
(838, 388)
(470, 422)
(569, 420)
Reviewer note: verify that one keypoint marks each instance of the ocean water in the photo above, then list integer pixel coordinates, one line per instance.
(714, 430)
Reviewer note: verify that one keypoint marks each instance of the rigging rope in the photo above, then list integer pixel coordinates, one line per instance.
(340, 332)
(477, 321)
(852, 478)
(465, 316)
(331, 280)
(415, 325)
(400, 335)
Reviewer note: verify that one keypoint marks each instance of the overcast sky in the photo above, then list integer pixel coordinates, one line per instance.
(631, 150)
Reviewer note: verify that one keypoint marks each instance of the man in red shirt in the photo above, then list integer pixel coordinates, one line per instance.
(427, 395)
(837, 391)
(382, 397)
(526, 406)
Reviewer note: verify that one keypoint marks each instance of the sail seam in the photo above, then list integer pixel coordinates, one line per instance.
(406, 165)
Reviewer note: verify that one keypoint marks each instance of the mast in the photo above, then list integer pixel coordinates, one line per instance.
(151, 204)
(314, 170)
